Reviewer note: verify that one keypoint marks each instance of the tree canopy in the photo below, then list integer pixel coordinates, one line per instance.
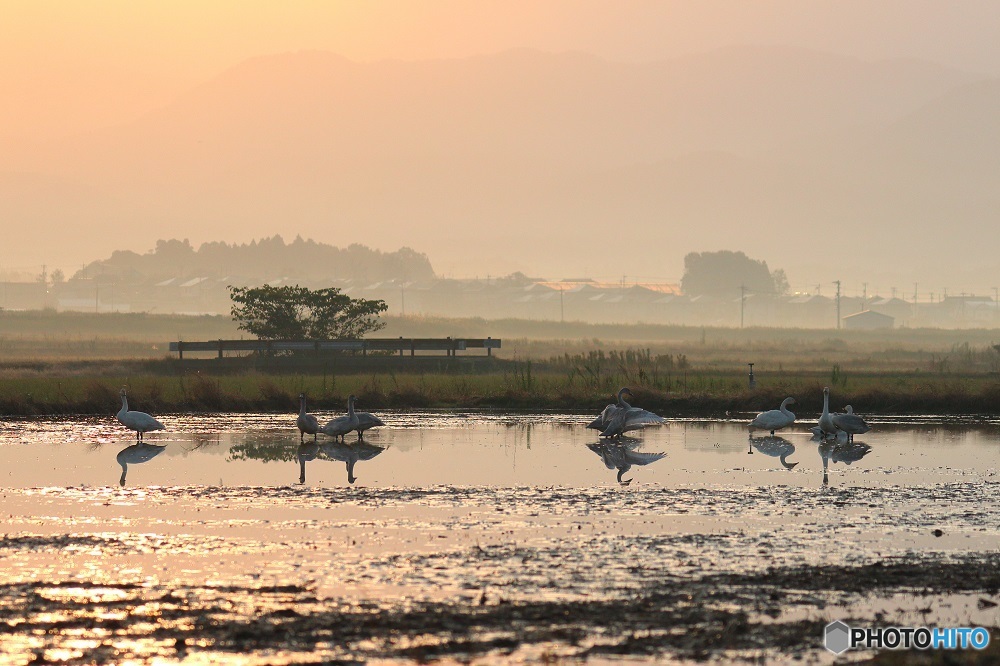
(298, 313)
(264, 259)
(723, 273)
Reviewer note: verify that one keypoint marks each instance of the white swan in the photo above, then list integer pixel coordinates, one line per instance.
(774, 419)
(627, 418)
(604, 418)
(621, 457)
(306, 423)
(778, 447)
(367, 420)
(342, 425)
(135, 454)
(141, 422)
(826, 423)
(851, 423)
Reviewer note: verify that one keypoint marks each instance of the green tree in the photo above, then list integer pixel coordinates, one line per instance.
(298, 313)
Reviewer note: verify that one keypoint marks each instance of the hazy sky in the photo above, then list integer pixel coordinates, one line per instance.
(66, 66)
(70, 67)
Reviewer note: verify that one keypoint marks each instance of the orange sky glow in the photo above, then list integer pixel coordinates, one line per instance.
(119, 112)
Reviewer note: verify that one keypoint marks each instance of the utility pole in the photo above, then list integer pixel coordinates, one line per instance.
(562, 309)
(837, 282)
(864, 295)
(743, 300)
(402, 299)
(914, 293)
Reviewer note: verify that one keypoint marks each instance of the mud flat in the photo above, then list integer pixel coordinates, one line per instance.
(303, 575)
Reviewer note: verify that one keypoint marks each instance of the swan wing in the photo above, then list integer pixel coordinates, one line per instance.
(367, 420)
(637, 418)
(338, 426)
(851, 423)
(140, 421)
(602, 421)
(616, 425)
(772, 420)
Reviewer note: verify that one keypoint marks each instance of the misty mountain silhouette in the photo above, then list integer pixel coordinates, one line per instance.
(533, 151)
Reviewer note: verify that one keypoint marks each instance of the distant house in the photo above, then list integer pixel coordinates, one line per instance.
(868, 320)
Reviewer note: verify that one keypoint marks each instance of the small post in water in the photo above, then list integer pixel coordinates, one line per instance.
(753, 382)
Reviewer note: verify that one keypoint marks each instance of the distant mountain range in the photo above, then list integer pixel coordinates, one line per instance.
(552, 164)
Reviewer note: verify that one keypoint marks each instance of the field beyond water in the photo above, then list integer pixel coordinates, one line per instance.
(74, 363)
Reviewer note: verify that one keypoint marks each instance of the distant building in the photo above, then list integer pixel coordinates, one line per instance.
(868, 320)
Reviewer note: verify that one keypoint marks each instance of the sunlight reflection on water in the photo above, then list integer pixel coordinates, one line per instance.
(464, 448)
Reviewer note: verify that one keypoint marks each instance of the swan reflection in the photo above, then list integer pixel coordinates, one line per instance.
(349, 454)
(621, 455)
(135, 454)
(841, 450)
(777, 447)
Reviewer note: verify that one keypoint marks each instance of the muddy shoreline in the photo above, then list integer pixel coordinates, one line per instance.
(712, 616)
(486, 575)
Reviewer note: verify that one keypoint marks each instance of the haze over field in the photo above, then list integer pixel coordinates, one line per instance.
(836, 140)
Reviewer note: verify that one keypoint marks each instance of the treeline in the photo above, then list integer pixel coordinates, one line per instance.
(266, 259)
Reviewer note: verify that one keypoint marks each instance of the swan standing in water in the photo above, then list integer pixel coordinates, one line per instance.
(141, 422)
(135, 454)
(621, 457)
(342, 425)
(367, 420)
(306, 423)
(826, 423)
(850, 423)
(626, 417)
(604, 418)
(774, 419)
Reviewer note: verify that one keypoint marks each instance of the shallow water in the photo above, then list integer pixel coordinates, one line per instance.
(490, 537)
(427, 448)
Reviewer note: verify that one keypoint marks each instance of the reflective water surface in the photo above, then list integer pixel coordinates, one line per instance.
(484, 537)
(421, 449)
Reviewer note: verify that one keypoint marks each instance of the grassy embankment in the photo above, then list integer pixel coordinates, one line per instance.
(72, 363)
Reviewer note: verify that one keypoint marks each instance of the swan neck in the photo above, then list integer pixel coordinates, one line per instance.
(302, 405)
(124, 404)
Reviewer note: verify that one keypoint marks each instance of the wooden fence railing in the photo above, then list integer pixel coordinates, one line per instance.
(401, 345)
